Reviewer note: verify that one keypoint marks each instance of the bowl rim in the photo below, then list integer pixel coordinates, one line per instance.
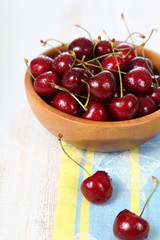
(28, 82)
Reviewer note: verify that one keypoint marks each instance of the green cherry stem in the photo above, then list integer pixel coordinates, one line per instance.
(89, 64)
(119, 71)
(28, 68)
(138, 33)
(67, 91)
(126, 25)
(155, 181)
(79, 26)
(60, 141)
(88, 96)
(51, 46)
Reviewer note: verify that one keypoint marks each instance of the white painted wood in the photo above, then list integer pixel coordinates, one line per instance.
(29, 155)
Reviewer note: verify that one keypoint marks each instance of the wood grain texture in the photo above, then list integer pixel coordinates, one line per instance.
(29, 154)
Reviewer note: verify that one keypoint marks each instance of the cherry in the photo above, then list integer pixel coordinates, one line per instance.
(82, 47)
(72, 80)
(66, 103)
(103, 47)
(138, 80)
(102, 86)
(123, 108)
(111, 63)
(146, 105)
(96, 111)
(42, 85)
(154, 93)
(40, 65)
(140, 62)
(127, 50)
(62, 63)
(93, 70)
(97, 188)
(129, 226)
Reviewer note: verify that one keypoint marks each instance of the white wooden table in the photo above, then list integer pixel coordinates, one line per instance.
(29, 155)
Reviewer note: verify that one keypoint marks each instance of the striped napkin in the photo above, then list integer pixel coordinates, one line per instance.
(131, 172)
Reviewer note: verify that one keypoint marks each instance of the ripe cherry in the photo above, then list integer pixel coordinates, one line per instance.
(97, 188)
(111, 63)
(129, 226)
(154, 93)
(40, 65)
(62, 63)
(138, 80)
(42, 83)
(146, 105)
(102, 86)
(96, 111)
(72, 80)
(66, 103)
(103, 47)
(123, 108)
(140, 62)
(127, 50)
(82, 47)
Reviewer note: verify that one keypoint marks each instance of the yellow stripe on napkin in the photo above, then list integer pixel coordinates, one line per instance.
(65, 213)
(85, 205)
(135, 182)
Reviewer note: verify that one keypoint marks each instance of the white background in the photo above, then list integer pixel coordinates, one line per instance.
(29, 154)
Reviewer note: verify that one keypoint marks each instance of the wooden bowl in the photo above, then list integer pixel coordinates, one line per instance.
(93, 135)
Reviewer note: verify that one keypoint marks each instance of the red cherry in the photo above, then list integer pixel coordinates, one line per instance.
(102, 86)
(140, 62)
(127, 51)
(146, 105)
(72, 80)
(82, 47)
(138, 80)
(129, 226)
(97, 188)
(93, 69)
(62, 63)
(123, 108)
(40, 65)
(66, 103)
(103, 47)
(42, 85)
(110, 63)
(154, 93)
(96, 111)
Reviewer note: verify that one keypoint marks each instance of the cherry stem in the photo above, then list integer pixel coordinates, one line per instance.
(60, 141)
(77, 25)
(140, 35)
(155, 181)
(28, 68)
(46, 43)
(88, 96)
(93, 65)
(144, 43)
(151, 71)
(119, 71)
(126, 25)
(67, 91)
(107, 35)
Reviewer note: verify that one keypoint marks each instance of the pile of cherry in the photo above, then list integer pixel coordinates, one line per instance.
(101, 80)
(98, 80)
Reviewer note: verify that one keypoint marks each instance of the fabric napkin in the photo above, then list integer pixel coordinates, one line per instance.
(131, 172)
